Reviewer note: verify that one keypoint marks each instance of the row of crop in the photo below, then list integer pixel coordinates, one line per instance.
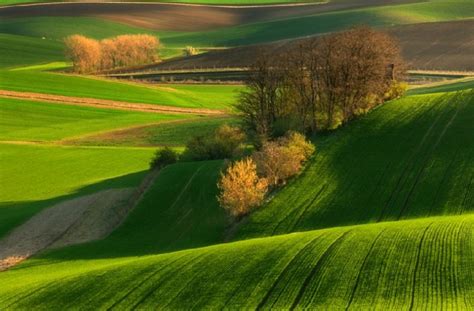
(407, 159)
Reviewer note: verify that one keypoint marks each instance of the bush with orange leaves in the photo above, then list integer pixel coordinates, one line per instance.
(241, 189)
(89, 55)
(84, 53)
(283, 158)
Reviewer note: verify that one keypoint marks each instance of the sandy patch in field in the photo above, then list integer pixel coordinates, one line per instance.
(105, 103)
(79, 220)
(83, 219)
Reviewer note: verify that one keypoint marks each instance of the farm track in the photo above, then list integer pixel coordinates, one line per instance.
(108, 104)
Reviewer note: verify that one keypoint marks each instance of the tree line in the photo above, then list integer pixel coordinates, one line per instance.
(322, 83)
(90, 55)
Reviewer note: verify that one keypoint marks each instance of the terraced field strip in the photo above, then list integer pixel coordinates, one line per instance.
(409, 158)
(102, 103)
(390, 266)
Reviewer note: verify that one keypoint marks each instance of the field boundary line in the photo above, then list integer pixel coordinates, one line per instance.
(108, 104)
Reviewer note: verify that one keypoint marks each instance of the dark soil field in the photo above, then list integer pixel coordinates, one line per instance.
(182, 17)
(452, 50)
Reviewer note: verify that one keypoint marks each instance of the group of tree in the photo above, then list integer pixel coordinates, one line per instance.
(245, 183)
(322, 83)
(225, 142)
(90, 55)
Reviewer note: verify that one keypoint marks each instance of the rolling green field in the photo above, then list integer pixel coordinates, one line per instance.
(467, 83)
(34, 177)
(35, 121)
(173, 134)
(159, 256)
(192, 96)
(17, 51)
(381, 218)
(410, 158)
(388, 266)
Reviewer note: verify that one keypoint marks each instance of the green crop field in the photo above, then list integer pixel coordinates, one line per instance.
(381, 217)
(410, 158)
(389, 266)
(18, 51)
(192, 96)
(34, 177)
(162, 134)
(35, 121)
(450, 86)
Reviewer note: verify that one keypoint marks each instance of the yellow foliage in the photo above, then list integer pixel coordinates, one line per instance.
(241, 189)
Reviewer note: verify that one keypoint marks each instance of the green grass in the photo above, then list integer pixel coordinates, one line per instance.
(34, 177)
(35, 121)
(449, 86)
(410, 158)
(389, 266)
(192, 96)
(163, 134)
(18, 51)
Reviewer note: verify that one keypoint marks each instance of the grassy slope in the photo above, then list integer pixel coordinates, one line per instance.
(193, 96)
(421, 264)
(34, 177)
(19, 50)
(444, 87)
(385, 266)
(410, 158)
(163, 134)
(35, 121)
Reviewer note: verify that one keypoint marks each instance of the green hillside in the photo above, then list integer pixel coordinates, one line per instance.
(18, 51)
(409, 158)
(192, 96)
(34, 177)
(389, 266)
(36, 121)
(216, 2)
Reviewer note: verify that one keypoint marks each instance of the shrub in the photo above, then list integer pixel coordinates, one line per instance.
(396, 90)
(89, 55)
(283, 158)
(84, 53)
(190, 51)
(225, 142)
(163, 157)
(241, 189)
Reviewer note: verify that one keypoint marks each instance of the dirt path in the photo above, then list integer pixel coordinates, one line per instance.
(109, 104)
(83, 219)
